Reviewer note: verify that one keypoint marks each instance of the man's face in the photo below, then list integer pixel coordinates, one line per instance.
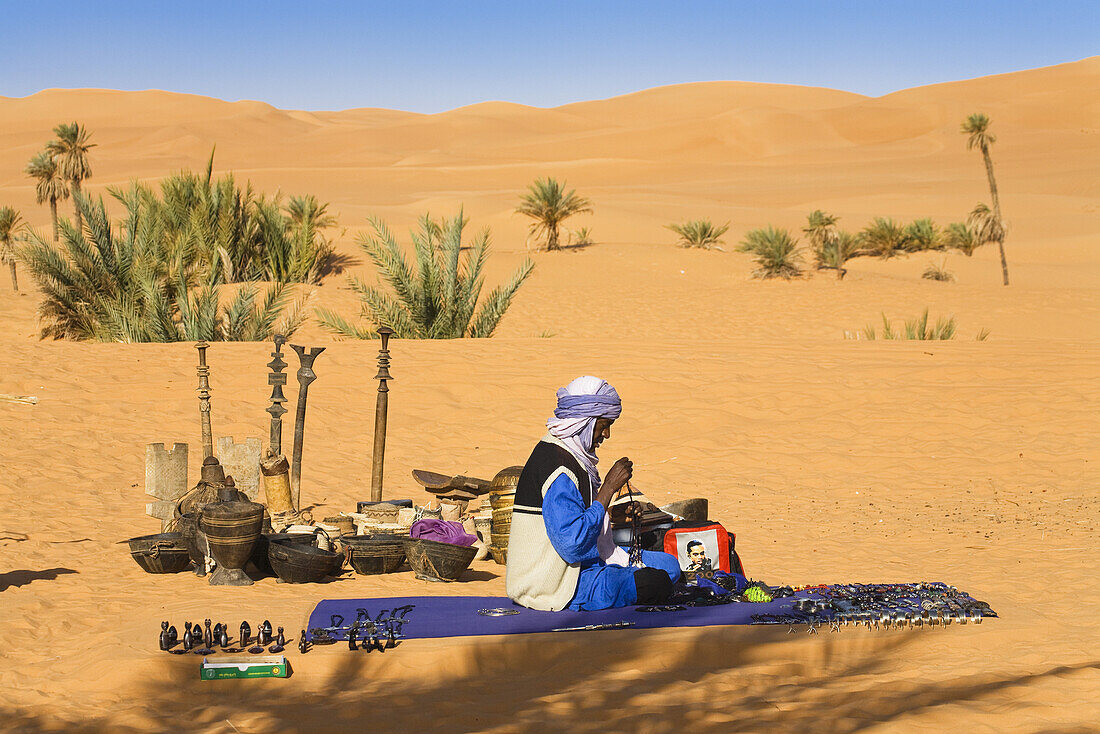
(601, 432)
(698, 554)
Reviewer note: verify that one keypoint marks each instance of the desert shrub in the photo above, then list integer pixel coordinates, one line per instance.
(884, 237)
(986, 225)
(437, 296)
(937, 272)
(776, 252)
(915, 329)
(581, 237)
(700, 233)
(959, 236)
(837, 251)
(922, 234)
(100, 284)
(820, 231)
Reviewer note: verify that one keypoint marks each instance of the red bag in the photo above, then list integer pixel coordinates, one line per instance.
(702, 549)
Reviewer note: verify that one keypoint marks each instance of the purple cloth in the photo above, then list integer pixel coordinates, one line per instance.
(442, 531)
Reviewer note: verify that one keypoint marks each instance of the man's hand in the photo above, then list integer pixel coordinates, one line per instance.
(617, 477)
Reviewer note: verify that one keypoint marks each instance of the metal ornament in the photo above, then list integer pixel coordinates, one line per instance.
(635, 531)
(204, 401)
(497, 612)
(306, 375)
(381, 408)
(277, 379)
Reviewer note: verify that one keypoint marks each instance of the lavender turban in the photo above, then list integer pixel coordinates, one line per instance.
(604, 403)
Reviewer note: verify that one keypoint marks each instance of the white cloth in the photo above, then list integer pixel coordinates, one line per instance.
(576, 435)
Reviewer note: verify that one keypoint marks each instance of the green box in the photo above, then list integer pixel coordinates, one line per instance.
(253, 666)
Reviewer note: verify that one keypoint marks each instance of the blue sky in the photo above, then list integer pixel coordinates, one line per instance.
(433, 56)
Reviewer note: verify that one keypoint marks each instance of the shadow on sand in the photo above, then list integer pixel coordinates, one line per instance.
(705, 679)
(22, 577)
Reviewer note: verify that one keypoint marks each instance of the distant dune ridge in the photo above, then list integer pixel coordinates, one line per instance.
(832, 460)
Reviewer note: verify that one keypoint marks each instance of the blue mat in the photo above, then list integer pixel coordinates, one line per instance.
(457, 616)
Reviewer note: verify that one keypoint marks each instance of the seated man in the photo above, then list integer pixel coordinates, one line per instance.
(561, 553)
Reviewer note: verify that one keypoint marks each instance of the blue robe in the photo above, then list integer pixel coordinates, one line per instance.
(573, 530)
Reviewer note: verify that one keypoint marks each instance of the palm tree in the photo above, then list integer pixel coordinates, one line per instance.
(107, 284)
(303, 209)
(775, 250)
(435, 297)
(10, 223)
(71, 151)
(700, 233)
(50, 186)
(548, 203)
(977, 127)
(820, 230)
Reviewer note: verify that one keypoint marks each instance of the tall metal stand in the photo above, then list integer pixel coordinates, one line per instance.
(380, 409)
(277, 379)
(204, 401)
(306, 375)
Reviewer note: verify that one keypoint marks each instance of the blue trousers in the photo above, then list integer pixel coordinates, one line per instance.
(601, 586)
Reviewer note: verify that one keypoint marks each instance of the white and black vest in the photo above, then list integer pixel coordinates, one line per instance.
(536, 576)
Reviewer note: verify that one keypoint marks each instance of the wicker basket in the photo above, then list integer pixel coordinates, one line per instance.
(500, 540)
(434, 561)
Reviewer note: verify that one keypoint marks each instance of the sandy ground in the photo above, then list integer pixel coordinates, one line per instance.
(973, 463)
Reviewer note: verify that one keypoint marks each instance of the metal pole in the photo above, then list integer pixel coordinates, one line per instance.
(380, 409)
(204, 401)
(277, 379)
(306, 375)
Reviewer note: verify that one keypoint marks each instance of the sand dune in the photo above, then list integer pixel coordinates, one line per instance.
(969, 462)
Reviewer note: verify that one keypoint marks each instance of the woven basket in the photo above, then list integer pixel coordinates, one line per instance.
(434, 561)
(500, 540)
(500, 555)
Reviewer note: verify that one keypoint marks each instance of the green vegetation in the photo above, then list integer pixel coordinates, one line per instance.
(549, 204)
(230, 233)
(884, 237)
(70, 152)
(923, 234)
(914, 329)
(437, 296)
(937, 272)
(10, 223)
(959, 236)
(776, 252)
(976, 127)
(837, 251)
(130, 284)
(821, 232)
(581, 237)
(700, 233)
(49, 186)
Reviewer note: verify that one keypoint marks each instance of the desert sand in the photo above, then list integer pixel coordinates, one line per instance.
(973, 463)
